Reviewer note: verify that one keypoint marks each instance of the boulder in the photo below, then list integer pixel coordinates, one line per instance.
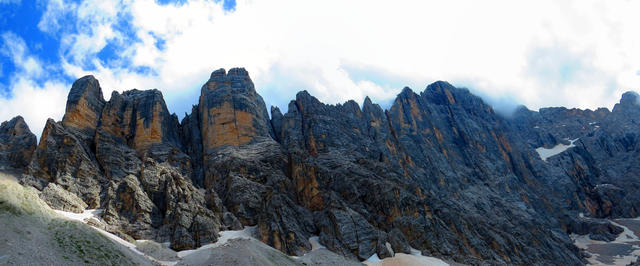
(61, 199)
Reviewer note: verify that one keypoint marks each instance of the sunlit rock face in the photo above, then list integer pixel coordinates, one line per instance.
(84, 105)
(439, 171)
(140, 119)
(231, 111)
(126, 156)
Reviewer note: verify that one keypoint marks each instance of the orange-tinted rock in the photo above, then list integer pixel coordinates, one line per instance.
(84, 105)
(231, 111)
(139, 119)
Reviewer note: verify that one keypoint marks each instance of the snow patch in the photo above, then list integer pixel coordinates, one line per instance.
(626, 238)
(315, 243)
(401, 259)
(225, 236)
(373, 259)
(546, 153)
(81, 217)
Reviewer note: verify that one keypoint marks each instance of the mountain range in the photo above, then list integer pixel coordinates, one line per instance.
(439, 171)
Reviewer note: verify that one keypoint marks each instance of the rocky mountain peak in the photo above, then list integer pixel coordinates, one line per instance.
(303, 98)
(629, 97)
(231, 111)
(406, 91)
(139, 118)
(629, 100)
(84, 104)
(441, 93)
(367, 101)
(16, 126)
(275, 111)
(237, 79)
(17, 143)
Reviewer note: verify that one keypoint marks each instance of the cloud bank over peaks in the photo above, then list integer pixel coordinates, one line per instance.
(544, 53)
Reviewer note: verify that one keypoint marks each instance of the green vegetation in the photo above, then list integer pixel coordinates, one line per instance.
(89, 247)
(35, 234)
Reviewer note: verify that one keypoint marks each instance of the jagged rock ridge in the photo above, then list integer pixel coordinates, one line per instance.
(439, 171)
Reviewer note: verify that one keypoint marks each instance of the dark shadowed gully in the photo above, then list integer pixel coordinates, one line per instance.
(439, 171)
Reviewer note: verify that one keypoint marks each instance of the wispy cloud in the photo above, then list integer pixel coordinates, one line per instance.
(15, 48)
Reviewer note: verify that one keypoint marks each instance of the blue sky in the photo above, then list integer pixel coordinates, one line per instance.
(23, 19)
(543, 53)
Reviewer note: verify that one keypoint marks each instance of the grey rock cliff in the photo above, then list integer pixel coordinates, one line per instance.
(439, 171)
(17, 144)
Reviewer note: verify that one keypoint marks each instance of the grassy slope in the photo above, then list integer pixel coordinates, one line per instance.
(32, 234)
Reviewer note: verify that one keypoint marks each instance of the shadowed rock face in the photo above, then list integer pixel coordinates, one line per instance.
(439, 171)
(64, 158)
(604, 164)
(17, 143)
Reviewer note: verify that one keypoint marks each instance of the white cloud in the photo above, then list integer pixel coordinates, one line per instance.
(340, 50)
(35, 102)
(54, 16)
(489, 46)
(15, 48)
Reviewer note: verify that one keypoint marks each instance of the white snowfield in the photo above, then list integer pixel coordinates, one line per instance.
(401, 259)
(546, 153)
(225, 236)
(622, 251)
(315, 243)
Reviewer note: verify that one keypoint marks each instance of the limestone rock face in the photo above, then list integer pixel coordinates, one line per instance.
(125, 156)
(139, 119)
(231, 111)
(64, 158)
(439, 171)
(440, 167)
(602, 168)
(17, 144)
(84, 105)
(191, 137)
